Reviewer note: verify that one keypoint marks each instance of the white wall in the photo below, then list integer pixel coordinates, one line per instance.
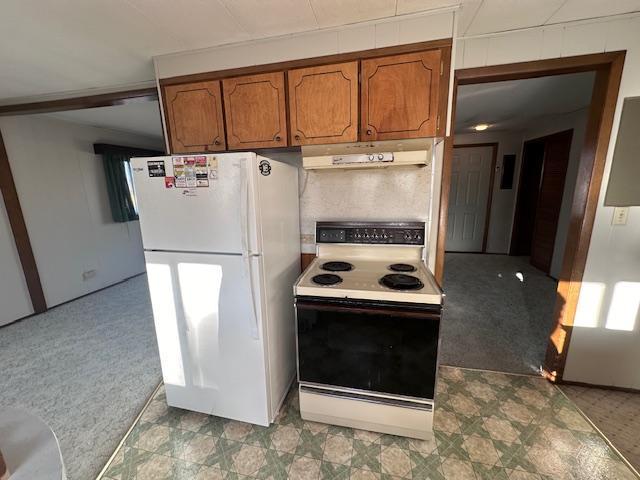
(554, 124)
(14, 297)
(62, 191)
(605, 344)
(503, 201)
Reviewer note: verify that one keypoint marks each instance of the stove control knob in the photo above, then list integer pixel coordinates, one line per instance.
(380, 157)
(371, 158)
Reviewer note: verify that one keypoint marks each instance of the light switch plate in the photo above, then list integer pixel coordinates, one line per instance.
(620, 215)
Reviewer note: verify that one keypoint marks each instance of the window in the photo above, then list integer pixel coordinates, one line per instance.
(119, 178)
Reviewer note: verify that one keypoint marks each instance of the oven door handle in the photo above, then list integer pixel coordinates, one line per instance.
(367, 310)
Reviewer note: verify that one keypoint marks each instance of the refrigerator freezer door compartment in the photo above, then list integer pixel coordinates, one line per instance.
(205, 219)
(212, 357)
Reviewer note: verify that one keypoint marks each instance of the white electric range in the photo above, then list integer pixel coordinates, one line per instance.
(368, 319)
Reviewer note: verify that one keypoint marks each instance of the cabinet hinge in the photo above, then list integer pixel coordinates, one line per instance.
(438, 123)
(441, 67)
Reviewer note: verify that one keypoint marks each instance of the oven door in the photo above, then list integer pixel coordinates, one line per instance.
(380, 347)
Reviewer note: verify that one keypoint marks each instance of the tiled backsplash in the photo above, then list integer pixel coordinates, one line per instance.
(376, 194)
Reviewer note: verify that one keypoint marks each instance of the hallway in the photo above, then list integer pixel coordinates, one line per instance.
(498, 313)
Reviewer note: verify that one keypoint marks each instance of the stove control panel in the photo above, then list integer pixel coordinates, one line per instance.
(409, 233)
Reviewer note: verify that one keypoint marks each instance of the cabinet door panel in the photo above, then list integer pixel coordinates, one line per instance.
(400, 96)
(194, 117)
(323, 104)
(255, 111)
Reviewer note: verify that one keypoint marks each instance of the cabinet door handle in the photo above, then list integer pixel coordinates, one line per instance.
(297, 137)
(278, 138)
(217, 142)
(369, 132)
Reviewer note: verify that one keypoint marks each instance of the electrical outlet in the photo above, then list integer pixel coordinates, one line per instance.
(88, 274)
(620, 215)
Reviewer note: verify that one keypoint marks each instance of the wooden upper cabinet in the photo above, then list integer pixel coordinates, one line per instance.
(400, 96)
(323, 104)
(194, 117)
(255, 111)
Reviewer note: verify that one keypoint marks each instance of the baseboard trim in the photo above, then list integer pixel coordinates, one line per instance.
(72, 300)
(595, 385)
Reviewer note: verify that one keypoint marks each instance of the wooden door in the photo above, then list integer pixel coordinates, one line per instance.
(255, 111)
(323, 104)
(400, 96)
(556, 160)
(193, 113)
(469, 198)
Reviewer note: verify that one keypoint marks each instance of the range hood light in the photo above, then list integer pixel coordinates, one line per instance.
(481, 127)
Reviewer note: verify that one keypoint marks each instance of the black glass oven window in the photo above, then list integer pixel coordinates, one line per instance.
(368, 349)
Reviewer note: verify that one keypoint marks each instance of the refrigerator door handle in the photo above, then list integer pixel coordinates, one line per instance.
(244, 209)
(244, 225)
(255, 309)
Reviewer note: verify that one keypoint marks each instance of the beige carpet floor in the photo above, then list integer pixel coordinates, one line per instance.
(498, 313)
(86, 368)
(616, 414)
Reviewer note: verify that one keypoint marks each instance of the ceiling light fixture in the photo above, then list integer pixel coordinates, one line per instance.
(480, 127)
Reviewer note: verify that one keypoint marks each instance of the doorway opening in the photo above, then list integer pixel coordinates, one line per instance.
(515, 231)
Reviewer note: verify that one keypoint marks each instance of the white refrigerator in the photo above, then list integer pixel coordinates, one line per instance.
(222, 248)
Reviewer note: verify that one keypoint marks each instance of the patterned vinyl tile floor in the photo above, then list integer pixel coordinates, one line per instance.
(486, 426)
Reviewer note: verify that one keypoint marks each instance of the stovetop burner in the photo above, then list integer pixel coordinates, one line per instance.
(402, 267)
(400, 281)
(337, 266)
(326, 279)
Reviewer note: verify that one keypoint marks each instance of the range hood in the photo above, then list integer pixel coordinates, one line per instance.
(416, 151)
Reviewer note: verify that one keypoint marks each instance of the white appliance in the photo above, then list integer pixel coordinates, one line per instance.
(222, 248)
(416, 151)
(368, 317)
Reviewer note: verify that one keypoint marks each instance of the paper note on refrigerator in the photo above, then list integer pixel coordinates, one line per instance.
(202, 173)
(190, 171)
(179, 173)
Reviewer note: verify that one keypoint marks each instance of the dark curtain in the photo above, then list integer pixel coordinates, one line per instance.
(121, 199)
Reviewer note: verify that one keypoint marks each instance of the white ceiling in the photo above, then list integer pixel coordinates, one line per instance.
(142, 118)
(519, 104)
(54, 46)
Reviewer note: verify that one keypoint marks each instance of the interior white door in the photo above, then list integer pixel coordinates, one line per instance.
(468, 198)
(209, 331)
(212, 217)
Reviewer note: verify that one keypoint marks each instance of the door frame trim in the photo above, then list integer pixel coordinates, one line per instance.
(608, 68)
(492, 176)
